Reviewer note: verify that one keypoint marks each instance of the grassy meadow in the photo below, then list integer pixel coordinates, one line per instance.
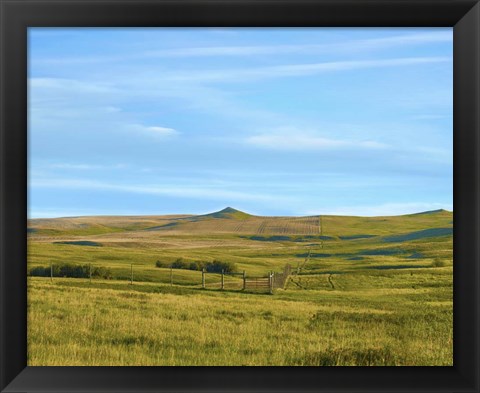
(363, 291)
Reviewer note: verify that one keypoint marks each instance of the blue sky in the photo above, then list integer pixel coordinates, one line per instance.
(284, 121)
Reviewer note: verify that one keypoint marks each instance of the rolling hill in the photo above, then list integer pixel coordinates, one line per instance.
(232, 221)
(362, 290)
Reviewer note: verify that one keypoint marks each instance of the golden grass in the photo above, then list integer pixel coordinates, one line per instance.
(129, 325)
(357, 302)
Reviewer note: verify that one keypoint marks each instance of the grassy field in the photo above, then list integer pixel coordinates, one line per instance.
(364, 291)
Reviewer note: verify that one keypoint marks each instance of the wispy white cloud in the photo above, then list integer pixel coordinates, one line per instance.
(293, 139)
(338, 47)
(54, 212)
(211, 192)
(155, 131)
(112, 109)
(77, 101)
(428, 117)
(291, 70)
(72, 85)
(441, 36)
(85, 166)
(335, 47)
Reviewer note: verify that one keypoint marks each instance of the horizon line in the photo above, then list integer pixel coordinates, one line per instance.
(240, 211)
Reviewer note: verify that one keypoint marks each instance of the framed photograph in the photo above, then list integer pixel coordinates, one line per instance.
(240, 196)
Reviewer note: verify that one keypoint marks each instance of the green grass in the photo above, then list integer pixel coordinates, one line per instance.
(72, 322)
(358, 300)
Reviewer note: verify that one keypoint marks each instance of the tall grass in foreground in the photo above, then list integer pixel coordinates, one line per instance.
(72, 322)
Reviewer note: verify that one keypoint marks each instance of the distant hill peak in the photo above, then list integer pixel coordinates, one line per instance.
(431, 212)
(229, 212)
(229, 209)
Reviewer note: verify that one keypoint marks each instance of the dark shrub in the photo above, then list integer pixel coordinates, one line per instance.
(40, 271)
(179, 264)
(56, 270)
(217, 267)
(73, 271)
(161, 264)
(201, 265)
(102, 272)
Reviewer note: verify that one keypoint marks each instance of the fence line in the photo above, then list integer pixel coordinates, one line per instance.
(307, 258)
(236, 280)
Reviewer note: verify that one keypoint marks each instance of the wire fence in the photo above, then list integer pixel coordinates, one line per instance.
(132, 273)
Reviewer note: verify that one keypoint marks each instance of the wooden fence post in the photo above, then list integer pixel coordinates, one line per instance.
(223, 280)
(51, 272)
(90, 272)
(131, 274)
(203, 278)
(271, 283)
(244, 281)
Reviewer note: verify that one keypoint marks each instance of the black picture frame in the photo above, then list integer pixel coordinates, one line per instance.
(18, 15)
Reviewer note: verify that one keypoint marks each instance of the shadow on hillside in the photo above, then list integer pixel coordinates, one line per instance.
(87, 243)
(433, 232)
(389, 267)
